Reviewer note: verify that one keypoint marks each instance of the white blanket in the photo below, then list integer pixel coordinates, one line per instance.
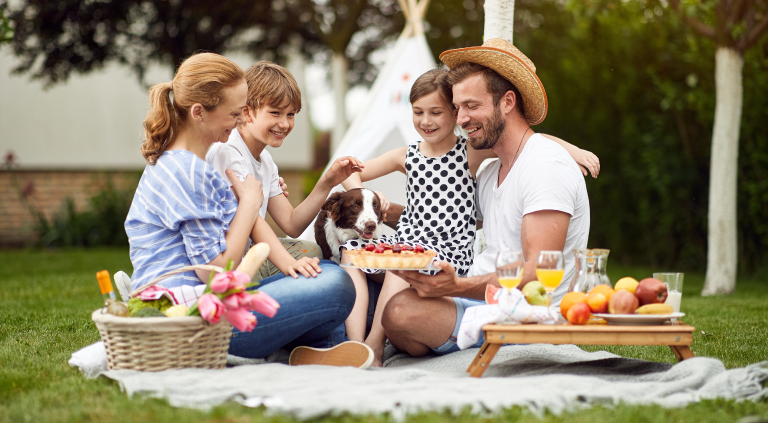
(538, 377)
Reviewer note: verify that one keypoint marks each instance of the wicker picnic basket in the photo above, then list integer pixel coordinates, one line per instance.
(162, 343)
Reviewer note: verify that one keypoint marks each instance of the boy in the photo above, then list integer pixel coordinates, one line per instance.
(274, 99)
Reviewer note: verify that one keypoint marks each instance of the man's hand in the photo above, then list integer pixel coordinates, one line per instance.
(340, 170)
(444, 283)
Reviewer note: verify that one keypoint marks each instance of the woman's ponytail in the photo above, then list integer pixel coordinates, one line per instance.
(160, 124)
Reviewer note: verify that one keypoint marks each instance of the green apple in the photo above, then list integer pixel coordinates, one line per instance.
(535, 293)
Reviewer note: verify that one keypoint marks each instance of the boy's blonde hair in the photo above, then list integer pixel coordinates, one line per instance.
(271, 85)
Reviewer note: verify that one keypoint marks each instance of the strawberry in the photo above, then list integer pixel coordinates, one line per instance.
(369, 247)
(418, 249)
(397, 248)
(379, 250)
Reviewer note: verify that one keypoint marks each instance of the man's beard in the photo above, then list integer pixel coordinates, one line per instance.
(493, 130)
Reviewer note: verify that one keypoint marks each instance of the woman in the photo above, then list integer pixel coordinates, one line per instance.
(184, 213)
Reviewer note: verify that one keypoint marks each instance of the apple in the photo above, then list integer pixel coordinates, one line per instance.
(651, 291)
(535, 293)
(578, 314)
(623, 302)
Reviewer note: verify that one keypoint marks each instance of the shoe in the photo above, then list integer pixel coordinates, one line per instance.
(350, 353)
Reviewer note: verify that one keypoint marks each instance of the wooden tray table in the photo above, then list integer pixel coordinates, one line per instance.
(677, 335)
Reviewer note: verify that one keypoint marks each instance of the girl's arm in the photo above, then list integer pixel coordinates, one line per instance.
(294, 221)
(585, 159)
(389, 162)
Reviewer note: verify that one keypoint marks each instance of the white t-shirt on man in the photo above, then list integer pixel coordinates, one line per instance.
(544, 177)
(235, 155)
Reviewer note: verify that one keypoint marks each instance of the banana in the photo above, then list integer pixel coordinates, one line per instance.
(655, 309)
(254, 258)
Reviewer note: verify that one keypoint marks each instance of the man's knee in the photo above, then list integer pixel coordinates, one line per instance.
(401, 311)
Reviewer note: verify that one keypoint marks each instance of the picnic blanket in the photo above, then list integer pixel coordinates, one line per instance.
(538, 377)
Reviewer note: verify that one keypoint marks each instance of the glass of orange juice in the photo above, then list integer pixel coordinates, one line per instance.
(509, 268)
(549, 271)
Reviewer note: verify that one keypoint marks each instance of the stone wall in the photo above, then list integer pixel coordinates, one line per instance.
(47, 190)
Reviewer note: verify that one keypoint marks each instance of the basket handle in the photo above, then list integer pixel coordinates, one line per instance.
(176, 272)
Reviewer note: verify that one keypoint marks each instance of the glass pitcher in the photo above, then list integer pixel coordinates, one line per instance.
(602, 265)
(586, 276)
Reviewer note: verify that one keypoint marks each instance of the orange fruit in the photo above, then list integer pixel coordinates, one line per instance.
(602, 289)
(570, 299)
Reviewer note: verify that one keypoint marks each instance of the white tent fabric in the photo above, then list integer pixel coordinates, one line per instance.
(386, 121)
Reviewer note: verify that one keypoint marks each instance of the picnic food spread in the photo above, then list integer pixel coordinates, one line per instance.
(396, 256)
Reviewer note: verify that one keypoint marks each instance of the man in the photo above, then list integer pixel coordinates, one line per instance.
(532, 199)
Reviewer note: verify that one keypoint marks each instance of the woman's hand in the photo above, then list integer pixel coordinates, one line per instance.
(384, 203)
(340, 170)
(307, 266)
(587, 161)
(283, 186)
(248, 191)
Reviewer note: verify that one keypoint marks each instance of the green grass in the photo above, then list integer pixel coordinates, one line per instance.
(46, 299)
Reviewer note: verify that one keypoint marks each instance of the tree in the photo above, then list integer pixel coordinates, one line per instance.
(6, 32)
(738, 25)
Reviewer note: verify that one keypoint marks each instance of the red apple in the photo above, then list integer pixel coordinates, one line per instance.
(651, 291)
(622, 302)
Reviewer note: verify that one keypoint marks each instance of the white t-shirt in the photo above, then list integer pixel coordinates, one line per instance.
(545, 177)
(235, 155)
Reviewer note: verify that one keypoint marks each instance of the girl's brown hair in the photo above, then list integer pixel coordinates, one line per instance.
(434, 80)
(202, 79)
(271, 85)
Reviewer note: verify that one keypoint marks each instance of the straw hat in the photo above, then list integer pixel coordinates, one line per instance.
(509, 62)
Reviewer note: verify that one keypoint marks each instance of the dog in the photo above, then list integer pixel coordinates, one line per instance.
(346, 215)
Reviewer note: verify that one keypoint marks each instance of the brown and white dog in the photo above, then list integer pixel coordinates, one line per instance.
(347, 215)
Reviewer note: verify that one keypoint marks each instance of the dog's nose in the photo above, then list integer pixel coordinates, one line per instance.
(370, 226)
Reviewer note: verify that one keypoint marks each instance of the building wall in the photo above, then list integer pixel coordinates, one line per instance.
(47, 190)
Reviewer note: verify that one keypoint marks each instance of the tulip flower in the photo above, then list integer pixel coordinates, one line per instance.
(226, 281)
(241, 318)
(211, 308)
(262, 303)
(238, 300)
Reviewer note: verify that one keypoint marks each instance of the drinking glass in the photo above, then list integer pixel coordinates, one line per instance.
(549, 271)
(674, 282)
(509, 268)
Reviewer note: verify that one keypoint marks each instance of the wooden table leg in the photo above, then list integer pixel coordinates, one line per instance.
(483, 359)
(685, 352)
(676, 352)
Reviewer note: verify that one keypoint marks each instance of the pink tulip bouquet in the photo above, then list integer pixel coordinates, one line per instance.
(226, 296)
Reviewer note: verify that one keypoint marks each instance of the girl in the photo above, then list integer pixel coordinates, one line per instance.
(440, 213)
(184, 213)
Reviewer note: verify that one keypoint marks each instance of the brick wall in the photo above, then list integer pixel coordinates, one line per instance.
(48, 189)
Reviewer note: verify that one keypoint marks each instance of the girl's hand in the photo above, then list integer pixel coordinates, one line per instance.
(283, 186)
(384, 203)
(341, 169)
(307, 266)
(248, 191)
(587, 161)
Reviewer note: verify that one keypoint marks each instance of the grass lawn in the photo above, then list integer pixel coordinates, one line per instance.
(46, 299)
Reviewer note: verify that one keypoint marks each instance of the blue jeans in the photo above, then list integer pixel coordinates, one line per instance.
(310, 310)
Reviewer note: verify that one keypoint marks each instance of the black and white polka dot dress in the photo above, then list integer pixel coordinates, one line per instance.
(440, 214)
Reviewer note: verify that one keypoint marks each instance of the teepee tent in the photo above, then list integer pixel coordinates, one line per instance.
(386, 123)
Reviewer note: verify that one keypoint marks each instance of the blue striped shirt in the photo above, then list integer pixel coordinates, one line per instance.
(179, 216)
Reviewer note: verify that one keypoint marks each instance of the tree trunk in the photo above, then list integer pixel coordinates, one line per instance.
(722, 251)
(499, 19)
(339, 68)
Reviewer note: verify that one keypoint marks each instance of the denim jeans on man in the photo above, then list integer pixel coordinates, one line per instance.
(310, 310)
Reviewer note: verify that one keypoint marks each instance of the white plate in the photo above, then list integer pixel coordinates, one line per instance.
(429, 267)
(637, 319)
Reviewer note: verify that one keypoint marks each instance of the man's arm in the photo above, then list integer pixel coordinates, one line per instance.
(447, 284)
(542, 230)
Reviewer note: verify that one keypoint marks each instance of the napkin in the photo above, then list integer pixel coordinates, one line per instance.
(512, 307)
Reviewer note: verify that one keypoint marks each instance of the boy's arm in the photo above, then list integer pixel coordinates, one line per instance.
(585, 159)
(279, 256)
(294, 221)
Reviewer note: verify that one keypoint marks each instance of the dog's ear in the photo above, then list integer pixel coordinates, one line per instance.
(333, 205)
(377, 202)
